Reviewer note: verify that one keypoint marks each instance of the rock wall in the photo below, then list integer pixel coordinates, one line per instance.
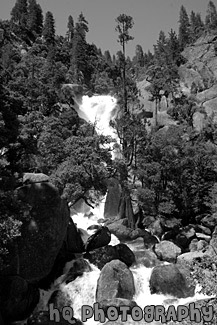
(198, 79)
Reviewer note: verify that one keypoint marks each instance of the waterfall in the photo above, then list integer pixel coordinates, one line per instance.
(81, 291)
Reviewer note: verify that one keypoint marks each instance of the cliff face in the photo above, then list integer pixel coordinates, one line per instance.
(198, 79)
(199, 76)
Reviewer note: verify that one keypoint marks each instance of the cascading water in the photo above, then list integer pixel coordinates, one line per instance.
(81, 291)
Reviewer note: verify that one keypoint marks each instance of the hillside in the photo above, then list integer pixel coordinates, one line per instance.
(198, 81)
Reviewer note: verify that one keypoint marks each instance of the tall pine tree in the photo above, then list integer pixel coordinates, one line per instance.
(79, 55)
(49, 29)
(19, 13)
(211, 16)
(71, 29)
(184, 28)
(124, 24)
(35, 17)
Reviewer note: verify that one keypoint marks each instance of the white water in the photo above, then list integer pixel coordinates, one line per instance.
(98, 110)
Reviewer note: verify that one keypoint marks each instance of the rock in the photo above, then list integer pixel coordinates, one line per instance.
(170, 224)
(119, 230)
(170, 235)
(29, 178)
(18, 298)
(115, 281)
(125, 254)
(149, 239)
(73, 242)
(167, 251)
(117, 303)
(101, 220)
(202, 244)
(101, 256)
(170, 280)
(136, 233)
(193, 245)
(78, 267)
(93, 227)
(189, 257)
(202, 229)
(185, 236)
(100, 238)
(148, 221)
(147, 258)
(203, 236)
(42, 232)
(157, 228)
(210, 221)
(43, 318)
(59, 299)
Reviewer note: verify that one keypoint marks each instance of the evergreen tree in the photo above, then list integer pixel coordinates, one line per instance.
(107, 57)
(49, 28)
(35, 17)
(184, 28)
(139, 56)
(70, 31)
(211, 16)
(79, 50)
(124, 23)
(19, 13)
(196, 26)
(174, 48)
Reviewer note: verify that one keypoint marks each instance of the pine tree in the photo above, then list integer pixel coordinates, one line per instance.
(211, 17)
(49, 29)
(107, 57)
(173, 47)
(35, 17)
(19, 13)
(70, 31)
(79, 56)
(196, 26)
(139, 56)
(184, 28)
(124, 23)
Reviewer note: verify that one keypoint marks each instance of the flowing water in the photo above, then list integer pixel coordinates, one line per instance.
(99, 110)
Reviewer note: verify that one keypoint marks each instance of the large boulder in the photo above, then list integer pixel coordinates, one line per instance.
(43, 230)
(104, 255)
(167, 251)
(210, 221)
(18, 298)
(191, 256)
(171, 280)
(73, 242)
(100, 238)
(125, 254)
(121, 231)
(115, 281)
(101, 256)
(78, 267)
(185, 236)
(149, 239)
(117, 303)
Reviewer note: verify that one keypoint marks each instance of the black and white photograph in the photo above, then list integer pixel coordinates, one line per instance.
(108, 162)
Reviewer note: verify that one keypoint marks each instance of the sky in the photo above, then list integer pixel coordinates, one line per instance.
(150, 16)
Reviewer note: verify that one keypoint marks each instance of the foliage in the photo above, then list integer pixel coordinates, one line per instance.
(49, 28)
(184, 28)
(211, 16)
(177, 170)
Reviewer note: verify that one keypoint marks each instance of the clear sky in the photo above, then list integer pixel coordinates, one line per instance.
(150, 16)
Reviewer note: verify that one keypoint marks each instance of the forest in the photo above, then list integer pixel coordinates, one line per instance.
(173, 172)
